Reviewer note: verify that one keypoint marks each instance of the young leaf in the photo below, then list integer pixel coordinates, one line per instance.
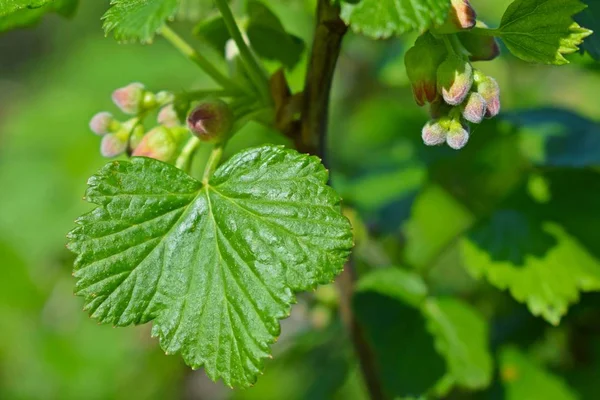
(461, 335)
(542, 31)
(10, 6)
(548, 284)
(384, 18)
(524, 379)
(215, 266)
(138, 20)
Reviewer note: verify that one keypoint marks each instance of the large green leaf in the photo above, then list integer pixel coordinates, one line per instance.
(384, 18)
(524, 379)
(10, 6)
(542, 31)
(216, 265)
(27, 17)
(547, 284)
(461, 336)
(138, 20)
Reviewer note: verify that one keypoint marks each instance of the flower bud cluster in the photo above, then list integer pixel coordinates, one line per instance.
(440, 71)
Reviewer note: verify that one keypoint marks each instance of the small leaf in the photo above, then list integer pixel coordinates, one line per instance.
(138, 20)
(542, 31)
(461, 336)
(384, 18)
(215, 266)
(548, 285)
(524, 379)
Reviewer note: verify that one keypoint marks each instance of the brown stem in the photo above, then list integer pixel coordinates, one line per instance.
(326, 47)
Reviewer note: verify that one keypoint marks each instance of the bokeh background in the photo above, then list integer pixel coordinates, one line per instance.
(56, 75)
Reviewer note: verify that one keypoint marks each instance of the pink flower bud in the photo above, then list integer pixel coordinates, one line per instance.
(167, 116)
(489, 89)
(457, 135)
(130, 98)
(113, 145)
(103, 123)
(460, 17)
(211, 121)
(474, 108)
(422, 61)
(454, 79)
(480, 48)
(434, 133)
(159, 144)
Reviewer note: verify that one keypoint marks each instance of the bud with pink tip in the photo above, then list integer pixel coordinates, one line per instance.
(474, 108)
(457, 135)
(103, 123)
(422, 61)
(113, 144)
(167, 116)
(211, 121)
(480, 47)
(490, 90)
(159, 144)
(454, 79)
(130, 99)
(461, 16)
(434, 132)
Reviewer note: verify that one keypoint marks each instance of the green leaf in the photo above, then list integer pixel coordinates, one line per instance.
(542, 31)
(385, 18)
(524, 379)
(10, 6)
(269, 38)
(194, 10)
(461, 335)
(215, 266)
(213, 31)
(590, 18)
(548, 284)
(386, 308)
(27, 17)
(138, 20)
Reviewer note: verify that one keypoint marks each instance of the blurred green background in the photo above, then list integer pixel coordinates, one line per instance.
(415, 200)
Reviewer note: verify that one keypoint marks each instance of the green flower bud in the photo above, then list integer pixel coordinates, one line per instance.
(130, 99)
(136, 136)
(474, 108)
(103, 123)
(461, 16)
(422, 61)
(434, 132)
(163, 97)
(457, 135)
(480, 48)
(211, 121)
(167, 116)
(489, 89)
(113, 145)
(159, 144)
(454, 79)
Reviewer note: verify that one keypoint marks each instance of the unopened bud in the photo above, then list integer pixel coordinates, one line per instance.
(167, 116)
(457, 135)
(137, 134)
(461, 16)
(113, 145)
(422, 61)
(480, 47)
(454, 79)
(130, 98)
(434, 133)
(164, 97)
(474, 108)
(211, 120)
(103, 123)
(159, 144)
(490, 90)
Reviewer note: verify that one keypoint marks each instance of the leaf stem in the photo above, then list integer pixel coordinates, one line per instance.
(212, 163)
(180, 44)
(485, 31)
(255, 72)
(184, 159)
